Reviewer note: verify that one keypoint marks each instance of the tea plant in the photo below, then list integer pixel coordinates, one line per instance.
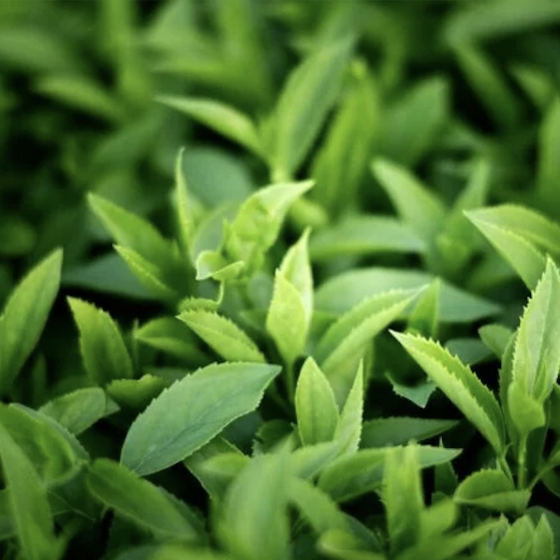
(328, 323)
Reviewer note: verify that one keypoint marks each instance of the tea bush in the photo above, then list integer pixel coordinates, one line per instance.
(280, 280)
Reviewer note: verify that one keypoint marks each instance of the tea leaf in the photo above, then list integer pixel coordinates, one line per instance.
(289, 314)
(399, 430)
(526, 412)
(496, 338)
(417, 206)
(248, 524)
(25, 315)
(349, 429)
(222, 118)
(101, 344)
(223, 336)
(536, 357)
(135, 394)
(460, 385)
(493, 490)
(185, 212)
(28, 503)
(79, 410)
(316, 410)
(202, 405)
(307, 97)
(138, 500)
(548, 173)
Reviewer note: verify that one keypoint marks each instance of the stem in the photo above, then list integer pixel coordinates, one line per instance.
(290, 382)
(505, 467)
(522, 472)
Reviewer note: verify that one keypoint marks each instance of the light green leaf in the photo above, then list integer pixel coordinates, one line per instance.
(341, 163)
(289, 314)
(83, 94)
(191, 412)
(344, 546)
(186, 213)
(307, 462)
(526, 412)
(304, 103)
(419, 392)
(25, 315)
(358, 474)
(316, 507)
(460, 385)
(316, 410)
(349, 429)
(341, 293)
(424, 318)
(222, 118)
(536, 357)
(223, 336)
(259, 220)
(493, 490)
(355, 328)
(536, 82)
(548, 171)
(399, 430)
(79, 410)
(173, 337)
(402, 498)
(138, 500)
(250, 524)
(101, 344)
(417, 206)
(212, 264)
(424, 109)
(135, 394)
(543, 541)
(362, 236)
(28, 503)
(517, 542)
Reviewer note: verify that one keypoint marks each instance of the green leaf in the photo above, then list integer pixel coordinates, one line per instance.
(424, 317)
(202, 405)
(399, 430)
(173, 337)
(363, 236)
(536, 358)
(492, 490)
(341, 163)
(536, 83)
(548, 171)
(135, 394)
(341, 293)
(138, 500)
(307, 97)
(496, 338)
(402, 498)
(355, 328)
(289, 314)
(222, 118)
(79, 410)
(257, 223)
(526, 412)
(349, 429)
(460, 385)
(83, 94)
(543, 541)
(417, 206)
(316, 507)
(25, 315)
(316, 410)
(186, 214)
(28, 503)
(358, 474)
(250, 524)
(307, 462)
(517, 542)
(490, 86)
(424, 109)
(223, 336)
(101, 344)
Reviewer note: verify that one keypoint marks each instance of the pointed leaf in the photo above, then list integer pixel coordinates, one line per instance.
(201, 405)
(316, 410)
(460, 385)
(103, 349)
(25, 315)
(223, 336)
(349, 429)
(548, 174)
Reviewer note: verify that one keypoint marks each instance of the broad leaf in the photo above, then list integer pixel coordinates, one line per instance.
(493, 490)
(202, 405)
(316, 409)
(25, 315)
(223, 336)
(460, 385)
(103, 349)
(139, 501)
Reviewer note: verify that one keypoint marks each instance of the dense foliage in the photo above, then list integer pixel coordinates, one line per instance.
(280, 280)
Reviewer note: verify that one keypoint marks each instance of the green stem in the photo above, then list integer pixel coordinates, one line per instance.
(290, 382)
(505, 467)
(522, 472)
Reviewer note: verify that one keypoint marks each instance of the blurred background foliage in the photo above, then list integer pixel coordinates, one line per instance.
(440, 88)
